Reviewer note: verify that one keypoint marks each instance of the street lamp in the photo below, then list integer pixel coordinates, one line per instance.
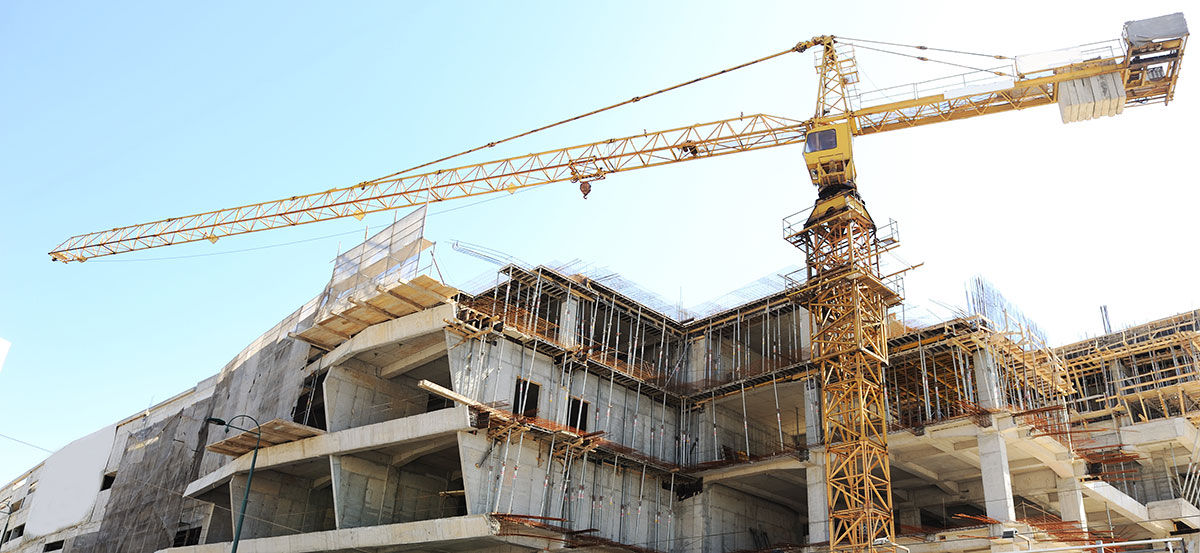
(237, 532)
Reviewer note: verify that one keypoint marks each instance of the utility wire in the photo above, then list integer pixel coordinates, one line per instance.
(26, 443)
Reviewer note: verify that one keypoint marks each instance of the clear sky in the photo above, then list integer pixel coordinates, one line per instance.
(118, 113)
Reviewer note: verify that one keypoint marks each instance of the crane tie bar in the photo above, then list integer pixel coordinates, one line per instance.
(581, 116)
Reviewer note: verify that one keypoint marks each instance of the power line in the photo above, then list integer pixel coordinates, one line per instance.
(26, 443)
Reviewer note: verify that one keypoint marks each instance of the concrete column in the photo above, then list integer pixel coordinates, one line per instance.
(812, 412)
(818, 502)
(908, 516)
(1070, 501)
(697, 360)
(814, 476)
(997, 480)
(987, 381)
(568, 320)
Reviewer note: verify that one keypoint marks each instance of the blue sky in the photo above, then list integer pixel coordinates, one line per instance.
(120, 113)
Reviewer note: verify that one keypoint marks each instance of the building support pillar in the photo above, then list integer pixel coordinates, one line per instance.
(568, 321)
(1070, 501)
(987, 380)
(814, 476)
(997, 480)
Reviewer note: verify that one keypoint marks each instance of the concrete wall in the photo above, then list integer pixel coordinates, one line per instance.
(734, 515)
(282, 504)
(370, 492)
(356, 396)
(488, 372)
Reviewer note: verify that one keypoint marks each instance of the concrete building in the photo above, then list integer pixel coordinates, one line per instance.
(563, 408)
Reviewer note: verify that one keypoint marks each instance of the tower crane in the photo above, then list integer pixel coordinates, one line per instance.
(843, 288)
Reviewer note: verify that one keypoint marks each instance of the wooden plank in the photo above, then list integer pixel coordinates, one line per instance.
(403, 300)
(274, 432)
(350, 318)
(309, 341)
(374, 308)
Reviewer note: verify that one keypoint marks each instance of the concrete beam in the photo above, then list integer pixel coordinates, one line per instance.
(1125, 506)
(1180, 510)
(927, 475)
(750, 469)
(424, 350)
(763, 494)
(403, 329)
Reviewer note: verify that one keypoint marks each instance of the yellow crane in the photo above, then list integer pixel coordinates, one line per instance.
(844, 291)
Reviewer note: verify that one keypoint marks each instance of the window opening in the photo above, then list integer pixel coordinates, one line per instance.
(310, 405)
(14, 533)
(577, 414)
(525, 399)
(187, 536)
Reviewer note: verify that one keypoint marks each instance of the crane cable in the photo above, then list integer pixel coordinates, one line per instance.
(923, 58)
(578, 117)
(918, 47)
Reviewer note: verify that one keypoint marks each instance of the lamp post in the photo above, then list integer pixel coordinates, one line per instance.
(237, 532)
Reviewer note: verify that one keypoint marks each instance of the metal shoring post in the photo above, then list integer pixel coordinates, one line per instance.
(507, 291)
(924, 380)
(716, 439)
(638, 354)
(499, 485)
(662, 429)
(637, 525)
(516, 467)
(568, 465)
(937, 394)
(624, 506)
(583, 479)
(778, 413)
(745, 419)
(671, 515)
(605, 334)
(535, 306)
(612, 493)
(546, 479)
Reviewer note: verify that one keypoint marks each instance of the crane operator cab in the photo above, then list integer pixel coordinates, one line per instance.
(827, 154)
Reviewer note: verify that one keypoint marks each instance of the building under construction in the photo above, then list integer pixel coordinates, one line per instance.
(562, 407)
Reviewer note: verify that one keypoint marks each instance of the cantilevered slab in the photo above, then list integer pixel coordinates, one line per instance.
(382, 304)
(406, 430)
(462, 533)
(274, 432)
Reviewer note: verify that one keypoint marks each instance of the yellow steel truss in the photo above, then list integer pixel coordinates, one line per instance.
(588, 162)
(847, 302)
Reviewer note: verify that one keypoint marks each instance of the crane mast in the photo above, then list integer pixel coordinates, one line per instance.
(847, 302)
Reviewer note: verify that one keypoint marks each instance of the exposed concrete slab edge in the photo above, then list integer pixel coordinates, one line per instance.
(423, 532)
(383, 434)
